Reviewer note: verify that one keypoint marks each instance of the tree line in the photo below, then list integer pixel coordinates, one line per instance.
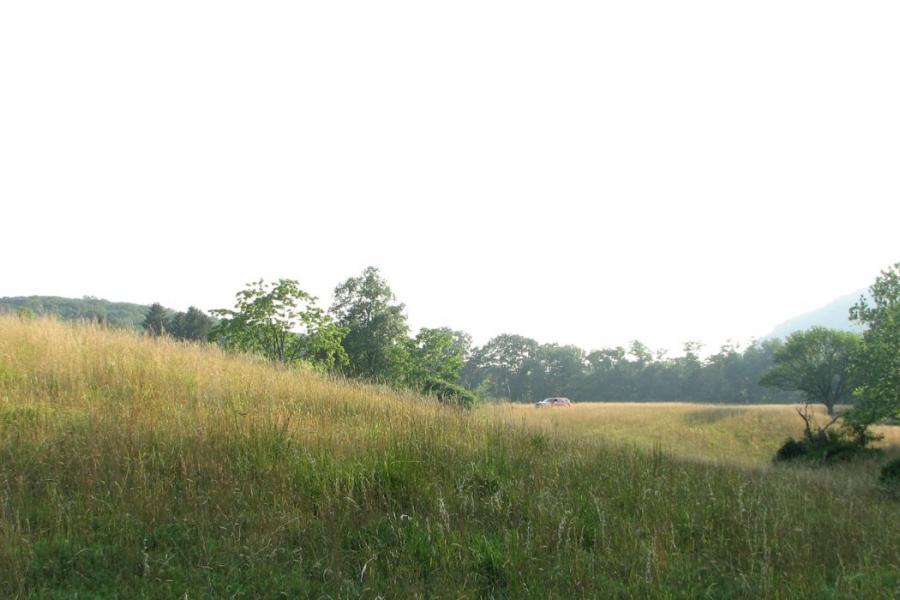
(365, 334)
(521, 369)
(87, 308)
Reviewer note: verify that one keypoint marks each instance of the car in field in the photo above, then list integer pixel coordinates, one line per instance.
(552, 402)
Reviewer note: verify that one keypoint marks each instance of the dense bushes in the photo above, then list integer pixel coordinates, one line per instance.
(890, 478)
(790, 450)
(449, 393)
(823, 445)
(831, 447)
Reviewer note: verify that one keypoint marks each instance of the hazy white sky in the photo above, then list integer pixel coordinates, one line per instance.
(579, 172)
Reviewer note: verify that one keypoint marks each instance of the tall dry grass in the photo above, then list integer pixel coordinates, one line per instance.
(735, 434)
(132, 467)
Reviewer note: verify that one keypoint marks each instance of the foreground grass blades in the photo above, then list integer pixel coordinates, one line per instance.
(139, 468)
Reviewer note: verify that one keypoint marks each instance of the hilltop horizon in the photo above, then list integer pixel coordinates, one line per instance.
(833, 314)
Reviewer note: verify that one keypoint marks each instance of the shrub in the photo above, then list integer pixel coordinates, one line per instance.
(890, 478)
(825, 447)
(449, 393)
(790, 450)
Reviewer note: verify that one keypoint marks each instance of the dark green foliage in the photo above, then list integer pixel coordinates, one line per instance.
(791, 450)
(449, 393)
(193, 325)
(837, 448)
(376, 327)
(877, 364)
(521, 369)
(890, 477)
(828, 449)
(156, 321)
(507, 363)
(115, 314)
(824, 445)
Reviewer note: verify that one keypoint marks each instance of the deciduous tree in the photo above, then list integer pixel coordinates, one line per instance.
(877, 364)
(280, 321)
(817, 363)
(376, 326)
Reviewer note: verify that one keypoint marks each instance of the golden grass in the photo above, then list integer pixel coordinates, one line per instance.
(743, 435)
(101, 377)
(136, 467)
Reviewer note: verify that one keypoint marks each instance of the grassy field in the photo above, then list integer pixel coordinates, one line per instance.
(132, 467)
(729, 434)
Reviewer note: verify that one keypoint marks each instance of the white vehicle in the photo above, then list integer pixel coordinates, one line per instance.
(552, 402)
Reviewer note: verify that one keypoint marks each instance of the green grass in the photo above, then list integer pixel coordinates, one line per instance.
(132, 467)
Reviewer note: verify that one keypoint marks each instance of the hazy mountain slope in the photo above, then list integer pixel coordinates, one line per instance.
(834, 315)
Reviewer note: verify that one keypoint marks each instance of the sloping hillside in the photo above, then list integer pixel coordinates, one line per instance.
(133, 467)
(834, 315)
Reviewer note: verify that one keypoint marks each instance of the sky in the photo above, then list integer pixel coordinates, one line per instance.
(577, 172)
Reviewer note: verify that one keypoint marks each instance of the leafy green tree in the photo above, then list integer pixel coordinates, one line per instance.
(156, 322)
(817, 363)
(376, 327)
(462, 341)
(191, 325)
(508, 362)
(269, 317)
(877, 364)
(560, 369)
(641, 353)
(321, 346)
(434, 355)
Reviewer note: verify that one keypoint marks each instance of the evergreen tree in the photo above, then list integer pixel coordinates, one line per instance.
(156, 322)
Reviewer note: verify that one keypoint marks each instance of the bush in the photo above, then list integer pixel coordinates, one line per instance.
(890, 478)
(825, 447)
(790, 450)
(449, 393)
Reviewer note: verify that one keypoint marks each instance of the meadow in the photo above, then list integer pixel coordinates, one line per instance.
(143, 468)
(746, 435)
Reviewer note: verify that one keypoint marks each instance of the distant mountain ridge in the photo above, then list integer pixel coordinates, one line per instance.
(117, 314)
(835, 315)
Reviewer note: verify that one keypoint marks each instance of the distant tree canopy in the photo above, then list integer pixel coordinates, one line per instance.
(88, 308)
(523, 370)
(156, 321)
(191, 325)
